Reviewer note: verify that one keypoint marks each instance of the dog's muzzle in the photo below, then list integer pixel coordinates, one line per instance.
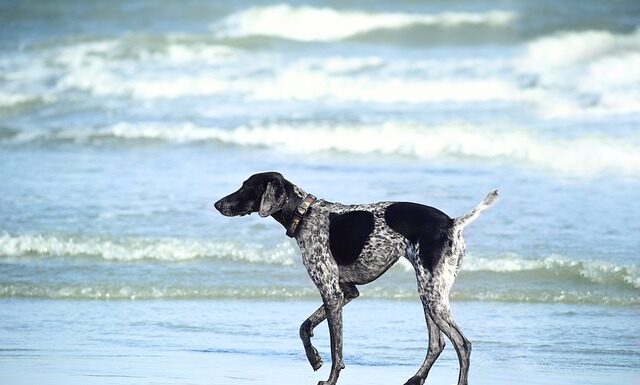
(227, 211)
(223, 209)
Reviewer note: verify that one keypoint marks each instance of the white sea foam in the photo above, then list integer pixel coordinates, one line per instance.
(333, 79)
(181, 53)
(584, 73)
(184, 67)
(581, 156)
(114, 67)
(571, 48)
(565, 296)
(306, 23)
(596, 77)
(134, 249)
(124, 291)
(172, 249)
(322, 85)
(595, 271)
(171, 49)
(11, 99)
(614, 284)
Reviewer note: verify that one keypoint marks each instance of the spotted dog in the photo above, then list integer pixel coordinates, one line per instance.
(348, 245)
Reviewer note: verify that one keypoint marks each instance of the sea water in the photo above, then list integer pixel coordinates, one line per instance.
(122, 122)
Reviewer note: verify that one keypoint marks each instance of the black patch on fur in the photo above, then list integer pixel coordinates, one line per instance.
(421, 224)
(348, 233)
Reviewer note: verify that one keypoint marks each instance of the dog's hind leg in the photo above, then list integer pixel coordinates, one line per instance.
(306, 329)
(436, 345)
(441, 314)
(435, 291)
(436, 338)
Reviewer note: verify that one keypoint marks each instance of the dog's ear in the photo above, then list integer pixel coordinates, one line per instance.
(273, 198)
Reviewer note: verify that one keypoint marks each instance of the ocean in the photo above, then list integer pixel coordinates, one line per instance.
(122, 122)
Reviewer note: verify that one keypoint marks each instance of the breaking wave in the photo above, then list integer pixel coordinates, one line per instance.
(587, 154)
(553, 267)
(599, 272)
(513, 278)
(562, 75)
(307, 23)
(133, 292)
(587, 72)
(136, 249)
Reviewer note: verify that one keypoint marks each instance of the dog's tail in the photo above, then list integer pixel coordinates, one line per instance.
(463, 221)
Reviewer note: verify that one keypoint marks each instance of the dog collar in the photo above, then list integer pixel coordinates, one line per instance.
(301, 210)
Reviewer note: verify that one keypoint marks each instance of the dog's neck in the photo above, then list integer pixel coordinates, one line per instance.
(294, 196)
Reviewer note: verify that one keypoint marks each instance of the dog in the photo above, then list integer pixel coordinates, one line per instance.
(348, 245)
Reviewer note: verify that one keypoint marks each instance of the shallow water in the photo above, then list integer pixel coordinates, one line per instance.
(122, 123)
(242, 342)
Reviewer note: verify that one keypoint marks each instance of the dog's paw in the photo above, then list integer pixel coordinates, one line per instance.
(415, 380)
(314, 358)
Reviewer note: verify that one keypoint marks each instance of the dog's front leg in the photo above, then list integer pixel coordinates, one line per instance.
(325, 274)
(306, 329)
(323, 271)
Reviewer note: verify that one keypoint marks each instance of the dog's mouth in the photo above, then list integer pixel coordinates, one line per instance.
(227, 212)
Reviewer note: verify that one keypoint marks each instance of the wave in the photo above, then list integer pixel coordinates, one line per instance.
(175, 250)
(571, 48)
(8, 99)
(131, 66)
(184, 68)
(321, 85)
(306, 23)
(514, 277)
(133, 292)
(551, 268)
(589, 155)
(285, 83)
(598, 272)
(136, 249)
(547, 296)
(580, 73)
(596, 77)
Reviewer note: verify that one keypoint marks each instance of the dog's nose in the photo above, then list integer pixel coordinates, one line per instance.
(217, 205)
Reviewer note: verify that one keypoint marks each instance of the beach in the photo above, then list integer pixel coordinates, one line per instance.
(246, 342)
(122, 122)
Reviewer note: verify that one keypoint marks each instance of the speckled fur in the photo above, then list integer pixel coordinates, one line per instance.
(337, 283)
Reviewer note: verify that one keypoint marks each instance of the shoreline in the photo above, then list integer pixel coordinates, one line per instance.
(230, 342)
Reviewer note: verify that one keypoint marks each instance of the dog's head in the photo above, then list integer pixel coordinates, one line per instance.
(263, 193)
